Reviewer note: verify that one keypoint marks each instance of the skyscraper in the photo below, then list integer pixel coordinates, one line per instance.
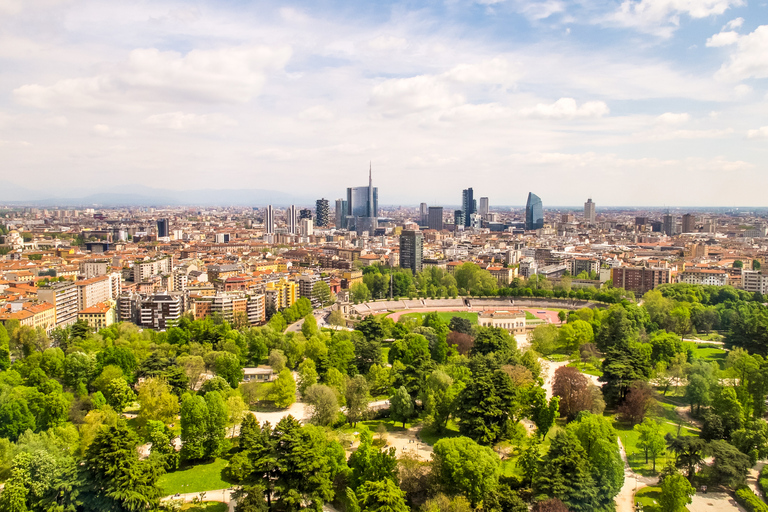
(322, 213)
(269, 220)
(468, 204)
(363, 206)
(162, 228)
(534, 212)
(458, 217)
(292, 219)
(435, 220)
(411, 250)
(483, 210)
(305, 213)
(589, 211)
(424, 211)
(341, 214)
(668, 224)
(689, 223)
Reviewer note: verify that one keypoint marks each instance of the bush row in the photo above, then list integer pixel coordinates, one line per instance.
(749, 500)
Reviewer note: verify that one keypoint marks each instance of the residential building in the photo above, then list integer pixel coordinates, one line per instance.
(578, 265)
(93, 291)
(306, 282)
(305, 213)
(222, 238)
(534, 213)
(63, 295)
(292, 220)
(143, 270)
(306, 228)
(639, 279)
(589, 212)
(468, 205)
(92, 268)
(512, 321)
(281, 294)
(42, 314)
(528, 267)
(411, 250)
(435, 218)
(160, 311)
(458, 218)
(98, 316)
(483, 209)
(503, 275)
(754, 281)
(322, 213)
(704, 276)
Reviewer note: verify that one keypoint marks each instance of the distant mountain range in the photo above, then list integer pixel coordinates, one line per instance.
(137, 195)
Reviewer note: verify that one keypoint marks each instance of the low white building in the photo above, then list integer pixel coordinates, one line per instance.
(512, 321)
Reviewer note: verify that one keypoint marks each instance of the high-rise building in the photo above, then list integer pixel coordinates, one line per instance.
(534, 212)
(162, 228)
(363, 206)
(411, 250)
(483, 210)
(589, 211)
(292, 220)
(322, 213)
(424, 211)
(341, 214)
(305, 213)
(468, 205)
(689, 223)
(668, 224)
(307, 228)
(269, 220)
(435, 220)
(458, 217)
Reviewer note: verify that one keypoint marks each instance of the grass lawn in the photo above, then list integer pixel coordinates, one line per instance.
(430, 437)
(445, 315)
(587, 368)
(530, 316)
(199, 478)
(635, 455)
(208, 506)
(710, 353)
(648, 497)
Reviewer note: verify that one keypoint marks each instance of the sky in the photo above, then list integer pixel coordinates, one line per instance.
(629, 102)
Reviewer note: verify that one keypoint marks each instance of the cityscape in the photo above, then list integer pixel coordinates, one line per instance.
(464, 256)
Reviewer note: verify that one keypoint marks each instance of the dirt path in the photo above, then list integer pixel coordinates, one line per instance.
(298, 410)
(625, 500)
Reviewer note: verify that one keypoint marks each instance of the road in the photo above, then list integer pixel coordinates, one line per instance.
(319, 315)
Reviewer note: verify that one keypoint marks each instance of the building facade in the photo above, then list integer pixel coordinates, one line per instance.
(534, 212)
(412, 250)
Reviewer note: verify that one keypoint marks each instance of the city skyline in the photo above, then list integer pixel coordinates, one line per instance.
(297, 98)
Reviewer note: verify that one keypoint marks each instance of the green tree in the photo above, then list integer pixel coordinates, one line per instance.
(401, 407)
(357, 397)
(5, 349)
(156, 402)
(371, 464)
(600, 442)
(283, 392)
(676, 493)
(119, 394)
(228, 367)
(359, 292)
(450, 468)
(117, 480)
(440, 398)
(651, 439)
(323, 404)
(738, 264)
(381, 496)
(730, 466)
(307, 375)
(565, 474)
(15, 418)
(194, 413)
(322, 293)
(337, 318)
(309, 327)
(485, 405)
(688, 452)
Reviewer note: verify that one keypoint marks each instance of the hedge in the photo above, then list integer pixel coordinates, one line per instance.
(762, 481)
(749, 500)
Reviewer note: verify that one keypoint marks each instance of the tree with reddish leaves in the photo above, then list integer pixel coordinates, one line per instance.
(640, 401)
(574, 391)
(462, 341)
(550, 505)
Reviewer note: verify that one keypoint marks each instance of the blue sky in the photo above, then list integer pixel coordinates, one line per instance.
(646, 102)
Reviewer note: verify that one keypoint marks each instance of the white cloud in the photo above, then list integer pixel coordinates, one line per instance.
(734, 24)
(760, 133)
(662, 17)
(690, 134)
(104, 130)
(185, 122)
(59, 121)
(671, 118)
(723, 39)
(749, 59)
(567, 108)
(408, 95)
(493, 71)
(385, 43)
(14, 144)
(209, 76)
(316, 113)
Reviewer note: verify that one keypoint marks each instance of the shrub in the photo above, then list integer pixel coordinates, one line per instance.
(749, 500)
(762, 482)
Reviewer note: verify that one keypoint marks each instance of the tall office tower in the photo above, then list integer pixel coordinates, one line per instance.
(162, 228)
(668, 224)
(589, 211)
(322, 213)
(341, 214)
(424, 214)
(435, 220)
(305, 213)
(483, 210)
(468, 205)
(534, 212)
(292, 219)
(458, 217)
(411, 250)
(269, 220)
(307, 228)
(363, 206)
(689, 223)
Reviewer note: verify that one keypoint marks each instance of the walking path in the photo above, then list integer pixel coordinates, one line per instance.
(221, 495)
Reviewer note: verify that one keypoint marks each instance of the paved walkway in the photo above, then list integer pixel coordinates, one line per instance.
(220, 495)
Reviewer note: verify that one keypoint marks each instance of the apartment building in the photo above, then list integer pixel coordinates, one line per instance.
(93, 291)
(754, 281)
(640, 279)
(160, 311)
(142, 270)
(704, 276)
(64, 296)
(41, 315)
(98, 316)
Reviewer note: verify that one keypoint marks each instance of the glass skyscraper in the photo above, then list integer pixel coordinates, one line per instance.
(363, 206)
(468, 205)
(534, 212)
